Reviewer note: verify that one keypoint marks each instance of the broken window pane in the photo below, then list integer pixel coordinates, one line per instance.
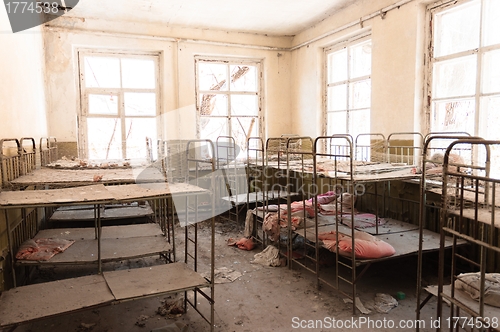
(491, 23)
(102, 72)
(457, 29)
(491, 72)
(337, 98)
(138, 74)
(212, 76)
(456, 77)
(213, 127)
(244, 105)
(136, 131)
(453, 115)
(104, 138)
(360, 94)
(103, 104)
(142, 104)
(243, 78)
(361, 59)
(242, 129)
(213, 104)
(337, 66)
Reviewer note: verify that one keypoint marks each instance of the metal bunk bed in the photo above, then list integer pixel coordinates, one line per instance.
(342, 171)
(114, 286)
(434, 147)
(470, 203)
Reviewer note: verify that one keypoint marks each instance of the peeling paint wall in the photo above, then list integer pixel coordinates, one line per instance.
(22, 100)
(22, 91)
(397, 70)
(178, 112)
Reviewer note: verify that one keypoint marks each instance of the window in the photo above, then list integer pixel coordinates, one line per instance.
(228, 99)
(119, 105)
(348, 87)
(465, 68)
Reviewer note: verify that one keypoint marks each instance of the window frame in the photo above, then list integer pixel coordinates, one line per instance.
(479, 119)
(343, 44)
(228, 61)
(84, 93)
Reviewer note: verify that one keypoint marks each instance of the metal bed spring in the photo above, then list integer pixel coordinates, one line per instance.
(198, 164)
(479, 184)
(433, 143)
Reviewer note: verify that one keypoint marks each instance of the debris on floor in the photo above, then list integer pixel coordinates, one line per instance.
(86, 327)
(359, 305)
(174, 327)
(141, 320)
(243, 243)
(171, 308)
(224, 275)
(382, 303)
(268, 257)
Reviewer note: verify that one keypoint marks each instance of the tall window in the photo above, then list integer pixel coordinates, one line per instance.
(119, 104)
(465, 68)
(348, 87)
(228, 99)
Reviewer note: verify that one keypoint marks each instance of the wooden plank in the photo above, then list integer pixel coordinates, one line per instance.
(26, 303)
(255, 197)
(159, 279)
(489, 311)
(78, 177)
(88, 233)
(152, 190)
(52, 197)
(112, 249)
(108, 213)
(483, 215)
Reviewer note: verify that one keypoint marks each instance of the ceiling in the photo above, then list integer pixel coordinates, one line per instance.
(271, 17)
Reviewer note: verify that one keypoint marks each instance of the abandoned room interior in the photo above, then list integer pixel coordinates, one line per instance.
(184, 165)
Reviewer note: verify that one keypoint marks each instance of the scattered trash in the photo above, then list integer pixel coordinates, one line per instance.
(268, 257)
(249, 224)
(243, 243)
(97, 178)
(86, 327)
(400, 295)
(359, 305)
(174, 327)
(224, 275)
(384, 303)
(141, 320)
(172, 309)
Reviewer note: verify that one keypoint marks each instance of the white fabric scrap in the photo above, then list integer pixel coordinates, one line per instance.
(268, 257)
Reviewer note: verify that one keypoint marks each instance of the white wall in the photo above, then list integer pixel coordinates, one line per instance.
(293, 76)
(65, 36)
(397, 71)
(22, 90)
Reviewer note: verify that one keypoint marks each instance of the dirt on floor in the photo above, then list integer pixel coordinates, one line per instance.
(252, 297)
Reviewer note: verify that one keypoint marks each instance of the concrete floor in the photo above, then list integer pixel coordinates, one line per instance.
(262, 299)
